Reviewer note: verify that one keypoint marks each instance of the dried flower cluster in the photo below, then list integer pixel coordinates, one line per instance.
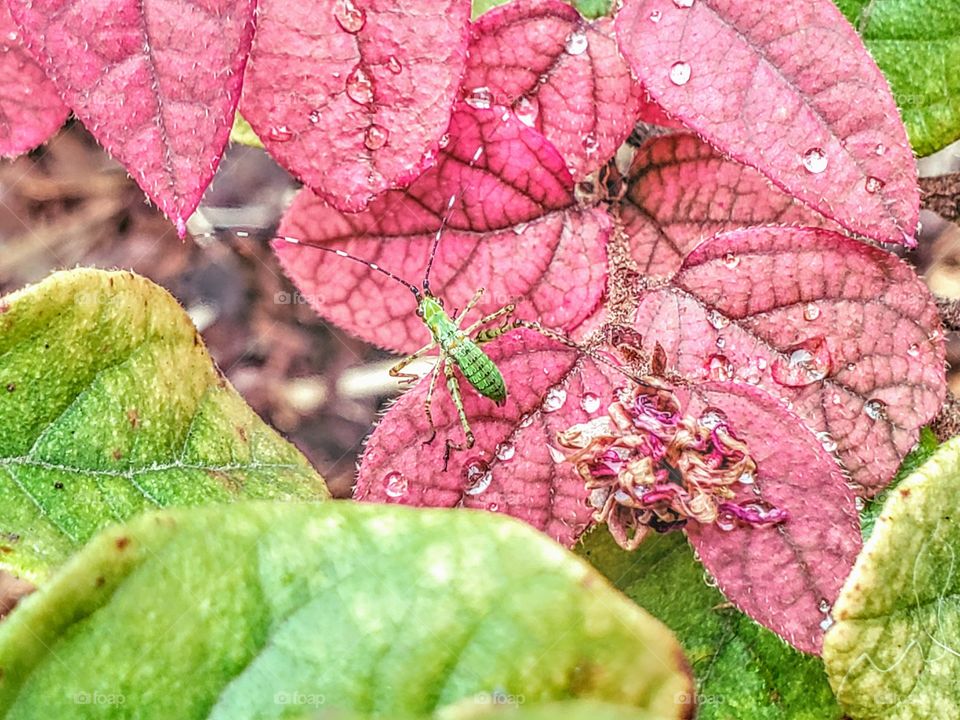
(647, 466)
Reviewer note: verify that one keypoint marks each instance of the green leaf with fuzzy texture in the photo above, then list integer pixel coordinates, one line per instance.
(916, 43)
(257, 610)
(742, 670)
(110, 405)
(587, 8)
(894, 652)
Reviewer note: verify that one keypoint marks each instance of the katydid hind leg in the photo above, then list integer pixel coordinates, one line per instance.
(428, 402)
(454, 387)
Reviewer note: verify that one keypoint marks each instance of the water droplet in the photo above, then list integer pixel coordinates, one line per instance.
(730, 260)
(829, 444)
(279, 133)
(556, 455)
(395, 484)
(655, 16)
(393, 65)
(13, 36)
(913, 350)
(349, 16)
(375, 137)
(880, 149)
(680, 73)
(554, 400)
(746, 478)
(811, 312)
(520, 228)
(480, 98)
(477, 475)
(505, 451)
(815, 160)
(717, 319)
(719, 368)
(444, 140)
(709, 580)
(761, 363)
(314, 116)
(359, 87)
(683, 3)
(873, 184)
(859, 503)
(875, 409)
(805, 364)
(590, 402)
(526, 421)
(590, 144)
(576, 43)
(826, 623)
(712, 419)
(824, 605)
(721, 341)
(726, 521)
(527, 110)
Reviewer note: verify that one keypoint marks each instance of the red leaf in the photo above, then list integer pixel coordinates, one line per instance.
(374, 84)
(784, 576)
(560, 73)
(515, 466)
(513, 229)
(845, 332)
(682, 191)
(788, 88)
(157, 96)
(30, 109)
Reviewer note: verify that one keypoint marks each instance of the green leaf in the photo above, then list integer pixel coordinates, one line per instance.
(894, 651)
(109, 406)
(256, 610)
(916, 43)
(588, 8)
(242, 133)
(742, 669)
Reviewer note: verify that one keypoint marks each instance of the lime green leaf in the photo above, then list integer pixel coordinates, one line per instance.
(255, 610)
(110, 405)
(917, 45)
(742, 669)
(587, 8)
(242, 133)
(894, 652)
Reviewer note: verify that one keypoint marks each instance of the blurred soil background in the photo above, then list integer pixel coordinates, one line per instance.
(69, 204)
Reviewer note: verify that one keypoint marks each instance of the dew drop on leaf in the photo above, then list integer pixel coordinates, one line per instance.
(590, 144)
(554, 400)
(680, 73)
(683, 3)
(279, 133)
(914, 350)
(314, 116)
(717, 319)
(815, 160)
(730, 260)
(712, 419)
(875, 409)
(349, 17)
(709, 580)
(804, 364)
(359, 87)
(393, 65)
(526, 421)
(827, 441)
(719, 368)
(556, 455)
(480, 98)
(395, 484)
(375, 137)
(811, 312)
(824, 605)
(444, 140)
(590, 402)
(880, 149)
(576, 43)
(826, 623)
(746, 478)
(477, 475)
(527, 111)
(726, 521)
(873, 184)
(655, 16)
(505, 451)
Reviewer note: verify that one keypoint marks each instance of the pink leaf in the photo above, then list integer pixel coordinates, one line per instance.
(515, 466)
(784, 576)
(30, 109)
(788, 88)
(845, 332)
(156, 95)
(352, 96)
(513, 229)
(682, 191)
(560, 73)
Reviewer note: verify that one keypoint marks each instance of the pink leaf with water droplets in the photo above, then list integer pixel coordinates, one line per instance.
(784, 576)
(513, 229)
(375, 83)
(560, 73)
(843, 331)
(682, 191)
(30, 109)
(515, 466)
(159, 98)
(788, 88)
